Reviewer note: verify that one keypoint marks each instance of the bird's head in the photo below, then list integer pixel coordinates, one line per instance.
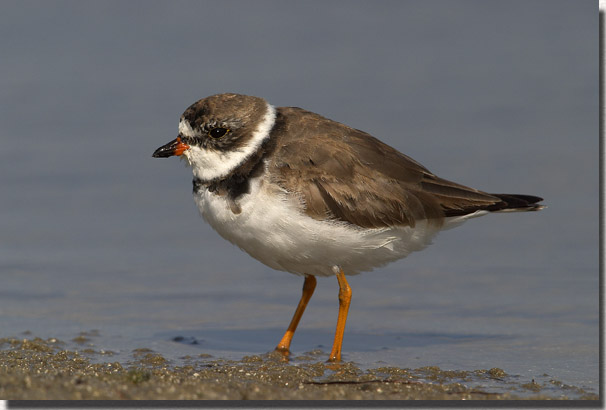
(219, 133)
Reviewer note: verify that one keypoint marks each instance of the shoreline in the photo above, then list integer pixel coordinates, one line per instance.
(37, 369)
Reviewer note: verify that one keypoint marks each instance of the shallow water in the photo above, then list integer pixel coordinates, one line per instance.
(532, 321)
(97, 235)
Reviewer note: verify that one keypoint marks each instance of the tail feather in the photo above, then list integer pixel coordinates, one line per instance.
(501, 203)
(516, 203)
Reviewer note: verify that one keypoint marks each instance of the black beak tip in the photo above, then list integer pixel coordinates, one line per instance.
(162, 152)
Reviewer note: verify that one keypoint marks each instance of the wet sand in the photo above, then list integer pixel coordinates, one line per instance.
(32, 368)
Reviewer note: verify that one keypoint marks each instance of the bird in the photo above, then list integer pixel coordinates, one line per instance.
(314, 197)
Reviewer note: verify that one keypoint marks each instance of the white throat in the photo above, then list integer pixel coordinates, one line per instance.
(208, 165)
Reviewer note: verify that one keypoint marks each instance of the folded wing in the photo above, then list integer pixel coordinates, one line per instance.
(345, 174)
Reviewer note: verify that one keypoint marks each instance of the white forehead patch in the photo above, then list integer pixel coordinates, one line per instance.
(186, 129)
(210, 164)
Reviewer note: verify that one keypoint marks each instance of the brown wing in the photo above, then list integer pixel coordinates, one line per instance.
(344, 173)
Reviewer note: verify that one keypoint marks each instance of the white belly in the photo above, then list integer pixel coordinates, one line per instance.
(272, 229)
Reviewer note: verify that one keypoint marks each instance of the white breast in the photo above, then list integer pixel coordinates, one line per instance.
(272, 229)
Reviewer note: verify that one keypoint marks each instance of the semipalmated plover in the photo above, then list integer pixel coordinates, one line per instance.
(314, 197)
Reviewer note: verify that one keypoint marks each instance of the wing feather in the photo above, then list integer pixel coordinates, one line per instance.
(346, 174)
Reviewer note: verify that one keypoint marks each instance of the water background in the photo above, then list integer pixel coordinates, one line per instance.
(501, 96)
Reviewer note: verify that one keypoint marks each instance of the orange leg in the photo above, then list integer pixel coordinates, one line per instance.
(344, 300)
(308, 289)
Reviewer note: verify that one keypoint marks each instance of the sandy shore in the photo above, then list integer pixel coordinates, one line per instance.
(35, 368)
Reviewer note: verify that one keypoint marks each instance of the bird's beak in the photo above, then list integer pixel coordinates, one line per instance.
(175, 147)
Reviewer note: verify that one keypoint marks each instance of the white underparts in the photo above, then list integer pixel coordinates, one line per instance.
(273, 229)
(210, 164)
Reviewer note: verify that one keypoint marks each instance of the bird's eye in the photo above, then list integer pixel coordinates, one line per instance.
(218, 132)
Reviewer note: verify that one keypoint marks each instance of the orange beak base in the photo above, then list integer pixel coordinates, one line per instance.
(175, 147)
